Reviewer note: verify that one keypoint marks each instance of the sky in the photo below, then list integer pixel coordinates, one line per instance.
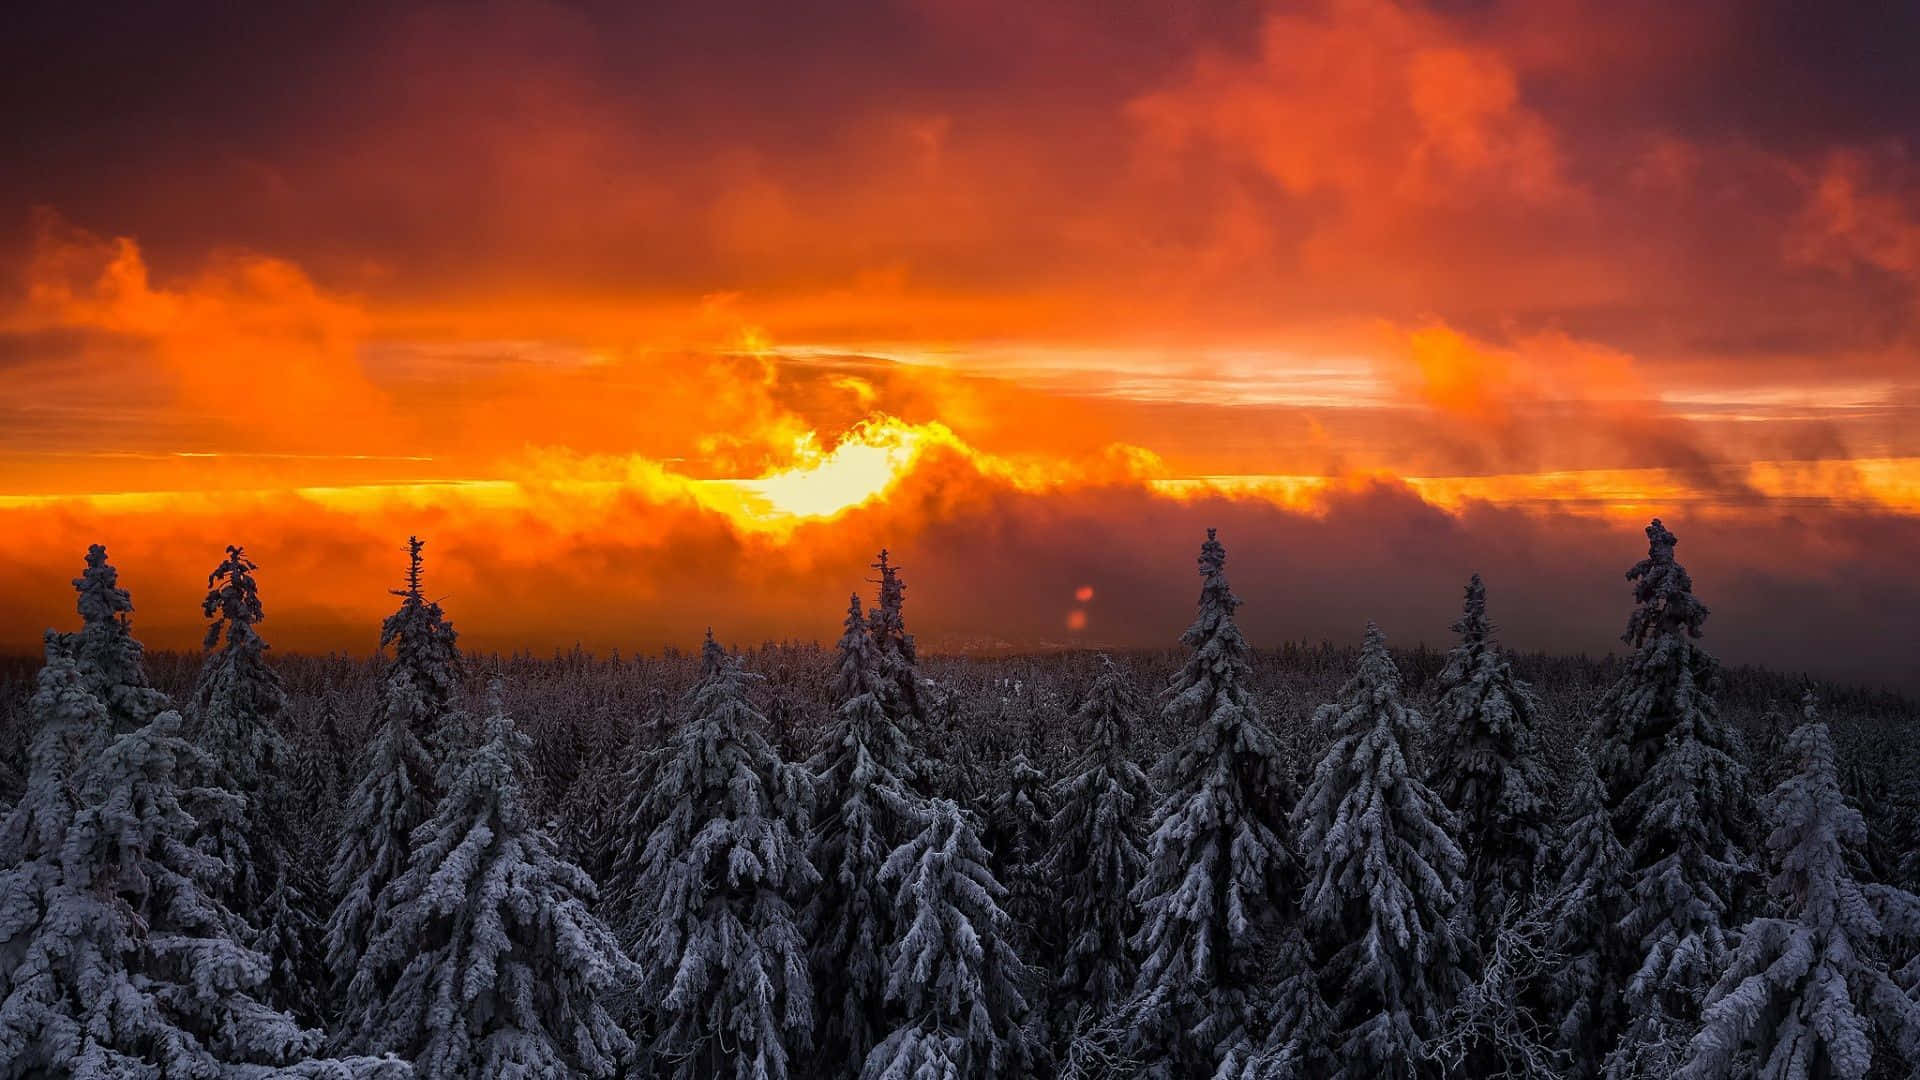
(653, 317)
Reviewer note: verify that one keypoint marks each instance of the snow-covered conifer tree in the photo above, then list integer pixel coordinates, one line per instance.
(1668, 677)
(71, 726)
(631, 821)
(1219, 865)
(234, 707)
(894, 648)
(238, 695)
(1678, 796)
(488, 961)
(1297, 1018)
(953, 971)
(424, 647)
(109, 657)
(1804, 991)
(1383, 878)
(1487, 768)
(391, 800)
(863, 775)
(1098, 851)
(1584, 994)
(1021, 816)
(723, 965)
(115, 960)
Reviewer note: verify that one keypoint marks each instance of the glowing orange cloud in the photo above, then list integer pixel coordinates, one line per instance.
(539, 282)
(249, 347)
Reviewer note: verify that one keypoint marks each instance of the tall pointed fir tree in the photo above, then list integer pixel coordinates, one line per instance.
(1584, 993)
(489, 961)
(1098, 853)
(894, 647)
(37, 1028)
(1384, 878)
(391, 800)
(632, 819)
(1021, 815)
(235, 705)
(959, 983)
(110, 659)
(722, 962)
(1487, 768)
(863, 775)
(115, 959)
(1803, 994)
(1219, 870)
(423, 643)
(238, 696)
(1677, 796)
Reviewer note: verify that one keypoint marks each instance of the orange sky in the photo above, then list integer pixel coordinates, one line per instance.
(649, 319)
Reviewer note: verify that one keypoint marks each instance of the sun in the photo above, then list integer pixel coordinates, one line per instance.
(861, 467)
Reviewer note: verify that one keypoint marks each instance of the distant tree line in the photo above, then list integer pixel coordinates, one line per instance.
(862, 862)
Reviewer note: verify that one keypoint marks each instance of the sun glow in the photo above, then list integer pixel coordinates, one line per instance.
(860, 467)
(823, 482)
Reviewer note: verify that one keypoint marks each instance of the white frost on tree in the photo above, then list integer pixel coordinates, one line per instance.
(894, 648)
(1020, 818)
(632, 818)
(1678, 797)
(1098, 852)
(392, 798)
(863, 773)
(115, 959)
(423, 643)
(1486, 766)
(1218, 862)
(1585, 992)
(238, 696)
(70, 727)
(723, 965)
(110, 659)
(1805, 990)
(235, 705)
(1383, 878)
(489, 961)
(954, 971)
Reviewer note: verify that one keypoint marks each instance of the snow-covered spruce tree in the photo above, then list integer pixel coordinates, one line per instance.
(631, 821)
(723, 966)
(1383, 881)
(1678, 797)
(424, 648)
(1584, 994)
(238, 696)
(1021, 815)
(392, 799)
(489, 961)
(115, 960)
(1905, 796)
(954, 972)
(1804, 991)
(1668, 678)
(1297, 1017)
(234, 707)
(1487, 768)
(1097, 853)
(1867, 786)
(70, 726)
(109, 657)
(863, 774)
(39, 1028)
(894, 648)
(1217, 879)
